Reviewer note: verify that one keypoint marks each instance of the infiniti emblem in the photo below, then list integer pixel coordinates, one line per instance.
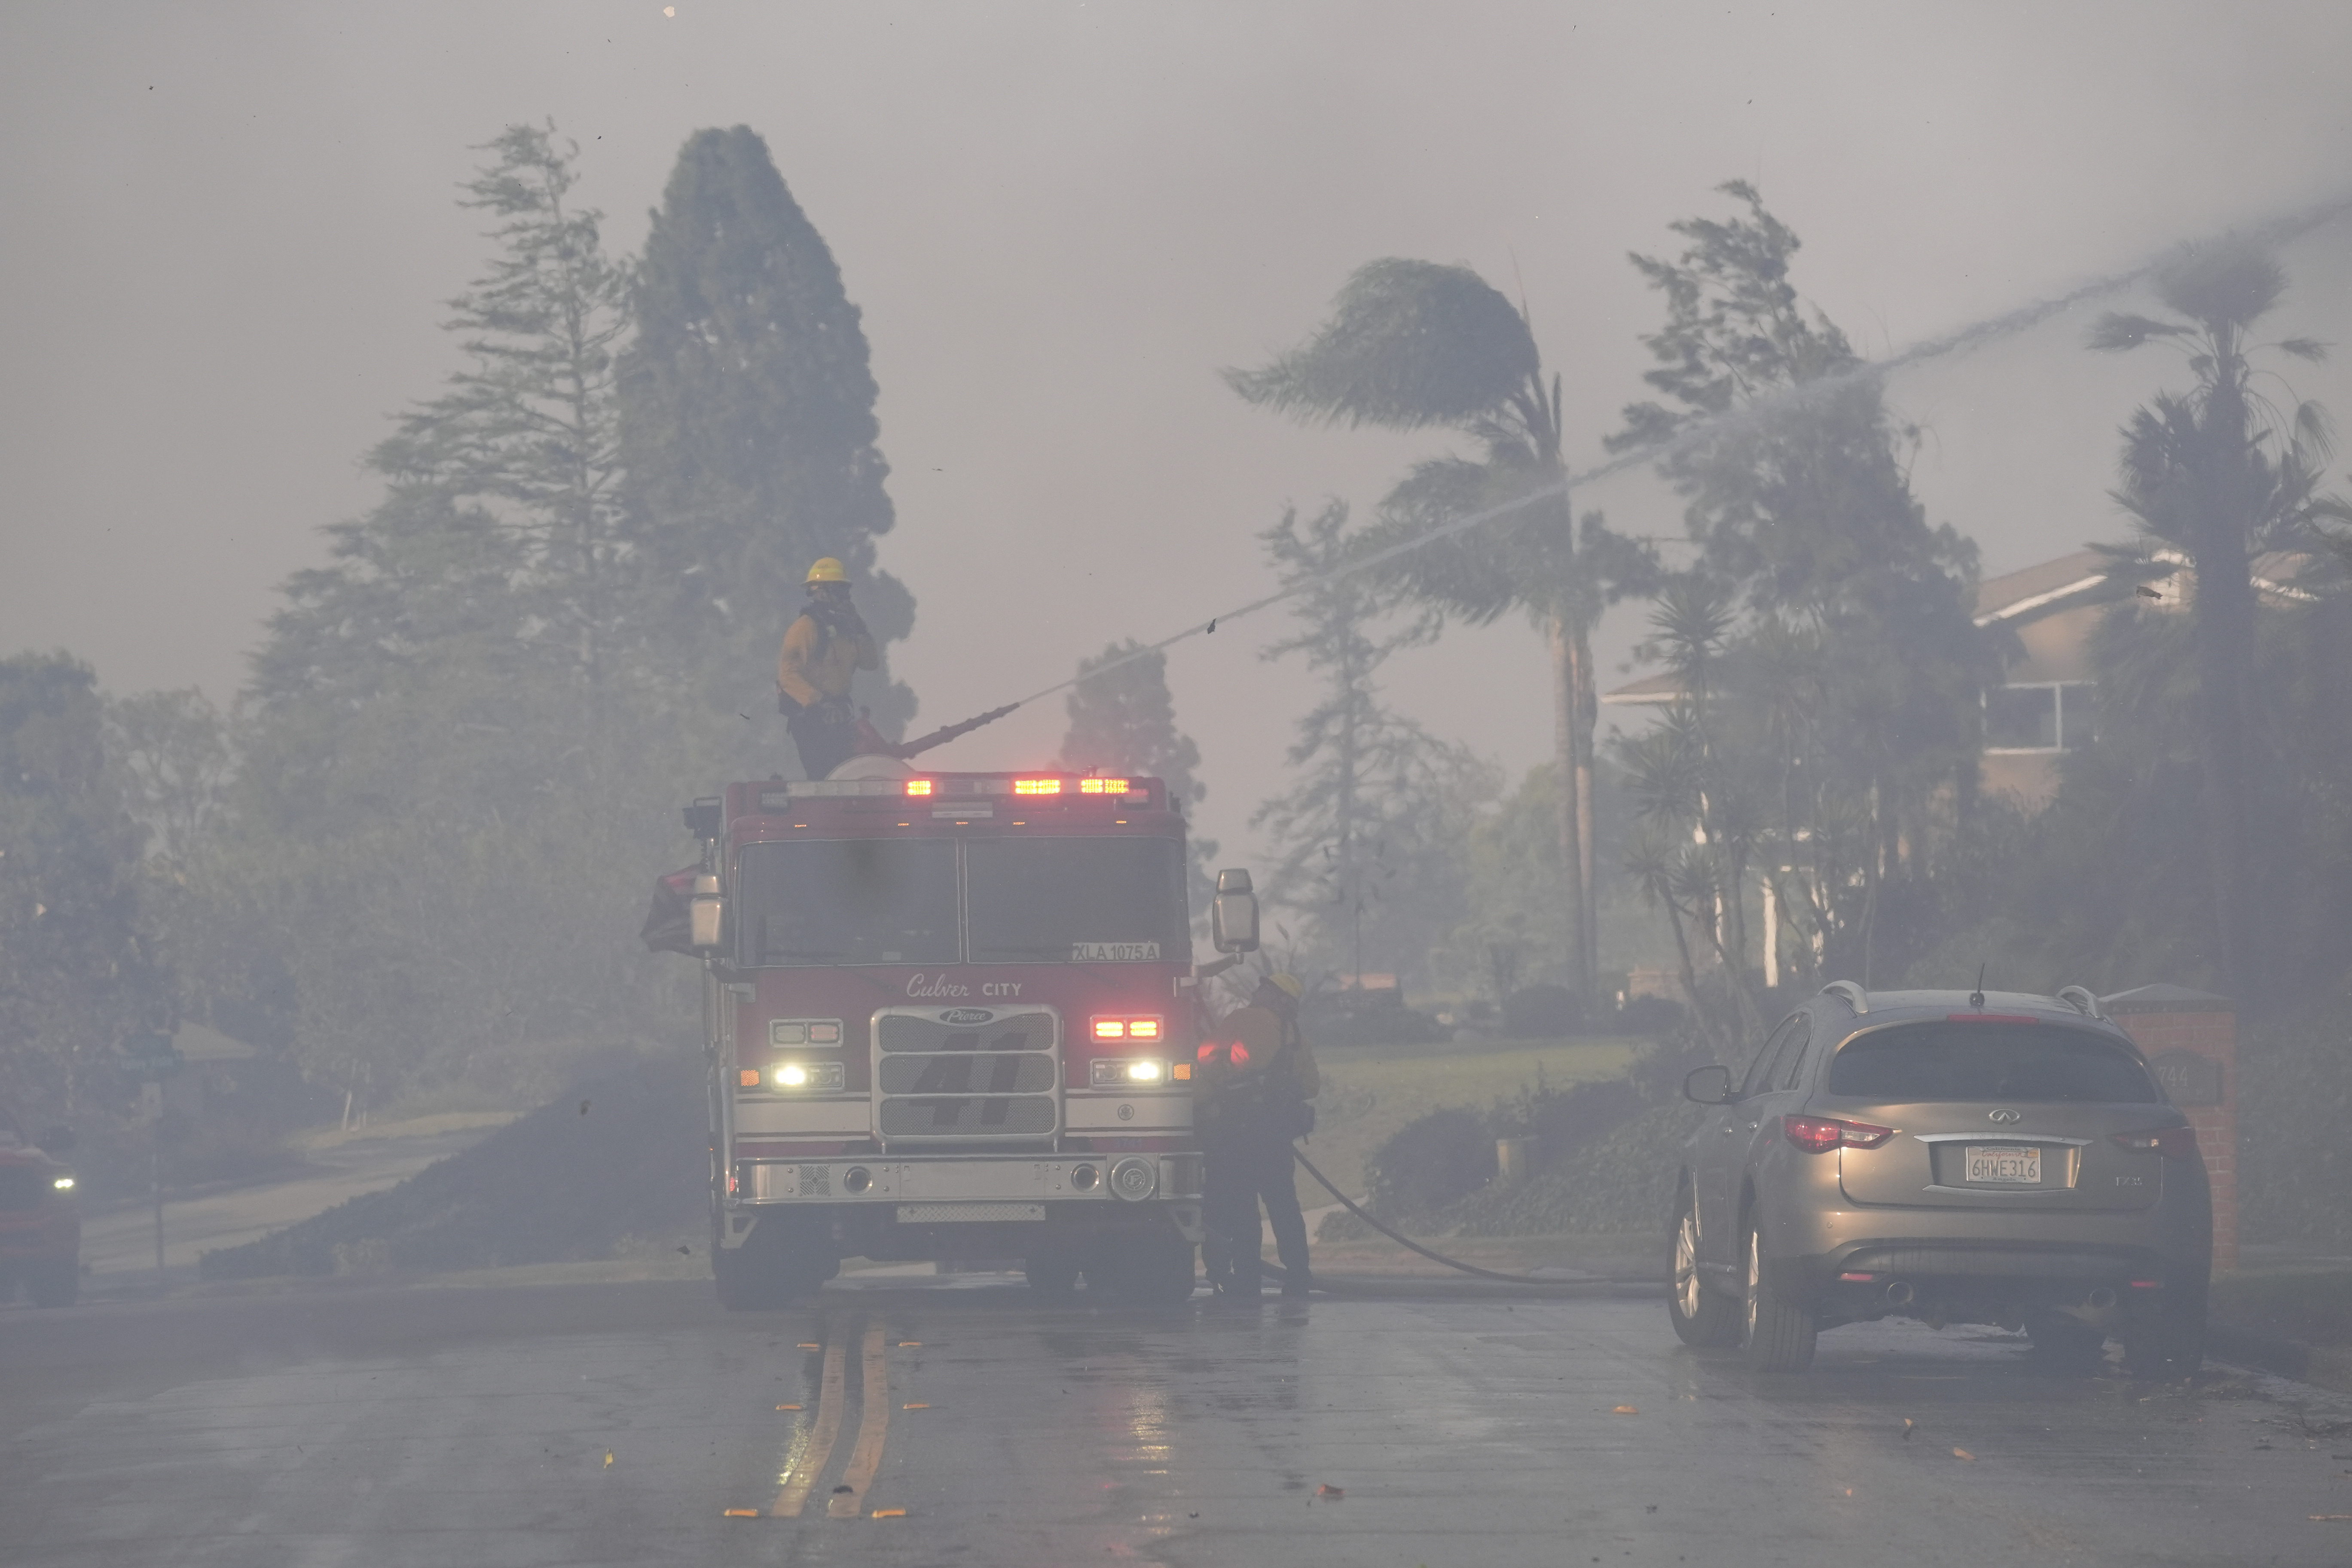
(2004, 1116)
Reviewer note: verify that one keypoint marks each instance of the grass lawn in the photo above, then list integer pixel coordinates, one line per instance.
(1371, 1091)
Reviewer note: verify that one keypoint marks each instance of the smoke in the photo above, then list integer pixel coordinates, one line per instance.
(1961, 340)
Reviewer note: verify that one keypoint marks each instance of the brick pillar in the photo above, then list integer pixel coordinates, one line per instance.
(2192, 1041)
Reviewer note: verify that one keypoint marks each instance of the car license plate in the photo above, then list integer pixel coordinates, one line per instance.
(2004, 1166)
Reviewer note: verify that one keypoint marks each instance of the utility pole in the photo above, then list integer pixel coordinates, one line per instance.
(155, 1178)
(151, 1058)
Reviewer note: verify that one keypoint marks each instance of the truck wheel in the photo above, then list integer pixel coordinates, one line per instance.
(1701, 1317)
(1052, 1275)
(53, 1281)
(1173, 1276)
(768, 1285)
(1781, 1333)
(773, 1269)
(1147, 1269)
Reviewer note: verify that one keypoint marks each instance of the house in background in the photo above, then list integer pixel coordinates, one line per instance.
(2048, 702)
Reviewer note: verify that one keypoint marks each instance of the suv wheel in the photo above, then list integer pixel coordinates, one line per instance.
(1781, 1333)
(1701, 1317)
(2168, 1340)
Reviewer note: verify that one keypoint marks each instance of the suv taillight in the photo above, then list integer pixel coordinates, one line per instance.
(1820, 1135)
(2172, 1142)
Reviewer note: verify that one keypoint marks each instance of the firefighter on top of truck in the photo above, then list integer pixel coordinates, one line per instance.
(823, 649)
(1258, 1080)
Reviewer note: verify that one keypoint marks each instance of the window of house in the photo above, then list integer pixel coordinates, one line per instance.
(2022, 719)
(2047, 716)
(2078, 714)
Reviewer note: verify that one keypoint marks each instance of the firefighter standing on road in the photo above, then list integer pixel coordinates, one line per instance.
(822, 650)
(1258, 1078)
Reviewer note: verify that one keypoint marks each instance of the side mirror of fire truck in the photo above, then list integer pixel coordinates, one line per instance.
(1232, 914)
(704, 913)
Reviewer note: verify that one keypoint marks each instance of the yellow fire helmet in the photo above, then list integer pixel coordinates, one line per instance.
(1287, 983)
(827, 570)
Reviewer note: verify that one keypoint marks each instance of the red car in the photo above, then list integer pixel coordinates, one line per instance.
(40, 1227)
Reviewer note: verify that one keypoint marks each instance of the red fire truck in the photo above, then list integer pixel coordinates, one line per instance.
(951, 1016)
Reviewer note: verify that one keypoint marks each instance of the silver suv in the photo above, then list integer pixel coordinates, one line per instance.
(1950, 1156)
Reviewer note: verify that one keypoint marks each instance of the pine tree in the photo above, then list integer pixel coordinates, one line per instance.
(501, 535)
(527, 428)
(1368, 839)
(748, 421)
(459, 725)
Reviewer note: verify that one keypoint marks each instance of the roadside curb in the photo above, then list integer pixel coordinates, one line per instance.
(2285, 1357)
(2319, 1366)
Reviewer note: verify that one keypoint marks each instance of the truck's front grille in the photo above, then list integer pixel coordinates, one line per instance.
(966, 1074)
(996, 1072)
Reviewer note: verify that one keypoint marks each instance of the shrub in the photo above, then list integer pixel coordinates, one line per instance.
(1607, 1152)
(1621, 1183)
(2295, 1095)
(1430, 1162)
(1367, 1018)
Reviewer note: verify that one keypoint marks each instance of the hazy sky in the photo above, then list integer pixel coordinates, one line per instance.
(229, 229)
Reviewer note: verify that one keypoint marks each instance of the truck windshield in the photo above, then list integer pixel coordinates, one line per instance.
(2042, 1063)
(860, 900)
(1076, 900)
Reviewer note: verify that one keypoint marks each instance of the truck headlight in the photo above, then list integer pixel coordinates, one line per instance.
(806, 1075)
(1135, 1073)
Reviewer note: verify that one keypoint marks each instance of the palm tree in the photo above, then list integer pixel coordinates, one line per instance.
(1411, 345)
(2223, 474)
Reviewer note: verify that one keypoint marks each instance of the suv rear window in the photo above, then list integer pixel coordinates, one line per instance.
(2031, 1063)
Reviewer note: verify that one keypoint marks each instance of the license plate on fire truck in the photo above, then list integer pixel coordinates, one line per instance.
(2003, 1166)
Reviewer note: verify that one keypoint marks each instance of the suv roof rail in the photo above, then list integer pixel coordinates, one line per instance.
(2080, 999)
(1854, 996)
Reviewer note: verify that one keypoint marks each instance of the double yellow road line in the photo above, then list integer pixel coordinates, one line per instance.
(873, 1430)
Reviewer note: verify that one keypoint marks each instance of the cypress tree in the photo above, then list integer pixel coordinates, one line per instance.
(747, 420)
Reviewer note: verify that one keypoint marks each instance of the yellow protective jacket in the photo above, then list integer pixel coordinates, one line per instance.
(1229, 1100)
(1262, 1029)
(815, 665)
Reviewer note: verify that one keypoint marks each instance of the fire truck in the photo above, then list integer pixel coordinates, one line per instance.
(951, 1016)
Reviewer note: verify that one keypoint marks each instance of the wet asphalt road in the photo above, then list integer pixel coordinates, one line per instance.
(473, 1427)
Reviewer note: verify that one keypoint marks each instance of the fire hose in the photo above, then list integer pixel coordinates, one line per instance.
(1537, 1280)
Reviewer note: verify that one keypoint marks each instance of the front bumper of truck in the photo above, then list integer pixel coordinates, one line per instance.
(902, 1193)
